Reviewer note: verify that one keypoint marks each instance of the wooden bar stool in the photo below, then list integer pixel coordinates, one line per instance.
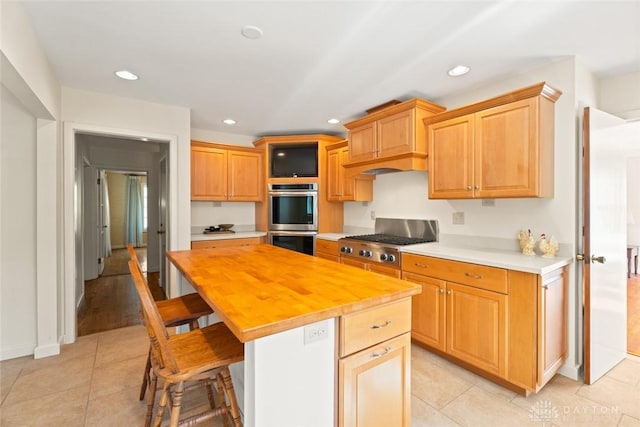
(183, 310)
(200, 355)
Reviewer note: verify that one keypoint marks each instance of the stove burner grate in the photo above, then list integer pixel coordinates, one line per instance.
(390, 239)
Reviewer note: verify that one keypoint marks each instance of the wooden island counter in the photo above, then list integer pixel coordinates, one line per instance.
(325, 343)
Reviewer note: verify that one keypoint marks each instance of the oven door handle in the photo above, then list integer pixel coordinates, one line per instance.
(293, 193)
(293, 233)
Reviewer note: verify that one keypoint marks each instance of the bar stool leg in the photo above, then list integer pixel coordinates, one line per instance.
(176, 403)
(145, 378)
(163, 403)
(231, 395)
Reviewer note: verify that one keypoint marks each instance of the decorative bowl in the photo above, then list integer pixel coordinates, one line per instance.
(225, 226)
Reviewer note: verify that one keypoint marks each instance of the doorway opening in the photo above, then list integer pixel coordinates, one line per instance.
(120, 197)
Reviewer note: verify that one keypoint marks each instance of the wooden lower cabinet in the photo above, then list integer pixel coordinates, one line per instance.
(225, 243)
(476, 327)
(375, 385)
(511, 326)
(374, 368)
(376, 268)
(327, 249)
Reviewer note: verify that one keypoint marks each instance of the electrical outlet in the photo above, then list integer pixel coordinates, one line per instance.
(488, 202)
(458, 218)
(315, 332)
(373, 215)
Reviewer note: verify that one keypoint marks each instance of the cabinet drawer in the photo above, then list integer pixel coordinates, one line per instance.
(225, 243)
(327, 247)
(479, 276)
(366, 328)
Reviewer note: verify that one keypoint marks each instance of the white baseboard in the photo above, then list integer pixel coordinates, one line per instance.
(17, 351)
(46, 350)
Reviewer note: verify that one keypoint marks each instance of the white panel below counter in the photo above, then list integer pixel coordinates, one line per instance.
(492, 257)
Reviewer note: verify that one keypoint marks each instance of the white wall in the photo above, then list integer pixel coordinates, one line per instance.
(404, 194)
(208, 213)
(29, 76)
(620, 95)
(17, 231)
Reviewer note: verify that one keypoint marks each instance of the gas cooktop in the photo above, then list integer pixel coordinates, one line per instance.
(389, 239)
(382, 247)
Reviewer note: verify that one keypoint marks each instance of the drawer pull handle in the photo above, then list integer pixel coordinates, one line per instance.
(417, 264)
(387, 349)
(387, 323)
(474, 276)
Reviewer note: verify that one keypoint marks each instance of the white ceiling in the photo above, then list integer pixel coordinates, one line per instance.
(320, 59)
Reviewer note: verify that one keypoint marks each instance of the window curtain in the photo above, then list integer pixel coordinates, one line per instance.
(134, 226)
(106, 216)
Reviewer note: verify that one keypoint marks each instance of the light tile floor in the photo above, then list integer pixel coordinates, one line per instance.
(95, 382)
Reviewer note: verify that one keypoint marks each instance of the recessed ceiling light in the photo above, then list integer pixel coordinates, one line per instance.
(251, 32)
(229, 122)
(144, 139)
(126, 75)
(458, 70)
(333, 121)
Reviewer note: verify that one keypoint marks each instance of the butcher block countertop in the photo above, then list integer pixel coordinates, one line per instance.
(262, 289)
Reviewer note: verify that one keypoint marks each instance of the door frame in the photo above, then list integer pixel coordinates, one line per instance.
(72, 272)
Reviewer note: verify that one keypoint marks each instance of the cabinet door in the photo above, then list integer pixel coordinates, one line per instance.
(451, 158)
(396, 134)
(552, 324)
(506, 150)
(427, 311)
(353, 262)
(476, 327)
(208, 174)
(374, 386)
(225, 243)
(334, 175)
(362, 143)
(245, 176)
(327, 249)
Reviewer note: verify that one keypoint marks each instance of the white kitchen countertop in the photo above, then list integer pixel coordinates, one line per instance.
(492, 257)
(225, 236)
(332, 236)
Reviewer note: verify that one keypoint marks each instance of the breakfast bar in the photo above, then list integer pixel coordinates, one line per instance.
(306, 323)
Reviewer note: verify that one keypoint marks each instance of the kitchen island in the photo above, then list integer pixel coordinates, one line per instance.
(299, 317)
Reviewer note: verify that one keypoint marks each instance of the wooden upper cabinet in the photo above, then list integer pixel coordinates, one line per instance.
(340, 186)
(362, 141)
(225, 173)
(499, 148)
(208, 173)
(390, 132)
(244, 176)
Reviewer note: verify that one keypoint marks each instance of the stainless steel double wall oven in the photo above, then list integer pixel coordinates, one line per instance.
(293, 216)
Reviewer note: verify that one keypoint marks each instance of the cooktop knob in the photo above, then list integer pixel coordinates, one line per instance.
(348, 250)
(383, 257)
(391, 258)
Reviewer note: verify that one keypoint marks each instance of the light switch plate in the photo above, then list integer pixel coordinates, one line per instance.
(458, 218)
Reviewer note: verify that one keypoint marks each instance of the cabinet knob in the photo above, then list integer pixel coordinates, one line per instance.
(468, 187)
(476, 187)
(441, 291)
(448, 292)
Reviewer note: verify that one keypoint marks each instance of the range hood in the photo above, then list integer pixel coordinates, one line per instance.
(400, 163)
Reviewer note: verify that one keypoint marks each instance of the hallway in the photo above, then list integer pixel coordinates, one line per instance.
(110, 301)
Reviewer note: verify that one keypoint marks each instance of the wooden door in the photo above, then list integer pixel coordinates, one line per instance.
(245, 176)
(428, 311)
(608, 143)
(362, 143)
(476, 327)
(208, 174)
(334, 175)
(396, 134)
(506, 157)
(375, 386)
(451, 158)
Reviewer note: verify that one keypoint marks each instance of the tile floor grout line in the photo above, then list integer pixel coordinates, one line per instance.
(93, 368)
